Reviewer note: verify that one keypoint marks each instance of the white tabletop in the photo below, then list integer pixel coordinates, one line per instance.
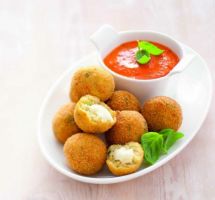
(38, 41)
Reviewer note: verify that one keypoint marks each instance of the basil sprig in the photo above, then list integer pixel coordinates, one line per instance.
(144, 50)
(170, 137)
(152, 144)
(155, 144)
(143, 56)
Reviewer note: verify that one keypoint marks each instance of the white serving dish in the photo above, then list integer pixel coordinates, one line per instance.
(192, 89)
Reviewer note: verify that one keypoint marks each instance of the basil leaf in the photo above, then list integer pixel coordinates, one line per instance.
(142, 56)
(152, 144)
(150, 48)
(170, 137)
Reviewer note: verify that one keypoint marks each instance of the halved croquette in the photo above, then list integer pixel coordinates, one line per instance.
(93, 116)
(124, 159)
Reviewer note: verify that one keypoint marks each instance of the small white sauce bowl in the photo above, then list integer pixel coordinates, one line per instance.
(107, 38)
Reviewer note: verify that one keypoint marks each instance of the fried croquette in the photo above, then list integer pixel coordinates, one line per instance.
(63, 124)
(129, 126)
(124, 159)
(85, 153)
(93, 116)
(162, 112)
(123, 100)
(94, 81)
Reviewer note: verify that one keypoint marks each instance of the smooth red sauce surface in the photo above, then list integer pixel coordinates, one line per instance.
(124, 55)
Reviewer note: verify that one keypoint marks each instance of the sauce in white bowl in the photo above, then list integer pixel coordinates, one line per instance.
(106, 40)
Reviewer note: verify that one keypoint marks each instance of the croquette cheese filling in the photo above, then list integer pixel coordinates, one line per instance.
(100, 112)
(124, 155)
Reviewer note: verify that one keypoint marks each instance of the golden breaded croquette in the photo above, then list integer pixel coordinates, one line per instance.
(129, 126)
(93, 116)
(162, 112)
(124, 159)
(63, 123)
(85, 153)
(94, 81)
(123, 100)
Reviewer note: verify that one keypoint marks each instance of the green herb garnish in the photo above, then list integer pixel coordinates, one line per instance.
(170, 137)
(155, 144)
(150, 48)
(88, 103)
(143, 56)
(152, 144)
(144, 50)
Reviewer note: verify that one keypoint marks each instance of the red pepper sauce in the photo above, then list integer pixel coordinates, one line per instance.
(122, 61)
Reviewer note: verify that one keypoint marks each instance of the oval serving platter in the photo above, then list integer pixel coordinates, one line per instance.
(192, 89)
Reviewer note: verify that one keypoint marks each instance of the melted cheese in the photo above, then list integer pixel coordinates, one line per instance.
(124, 155)
(101, 112)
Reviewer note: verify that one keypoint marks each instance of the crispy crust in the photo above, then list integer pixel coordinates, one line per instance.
(123, 100)
(92, 80)
(118, 168)
(85, 153)
(162, 112)
(86, 122)
(63, 123)
(129, 126)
